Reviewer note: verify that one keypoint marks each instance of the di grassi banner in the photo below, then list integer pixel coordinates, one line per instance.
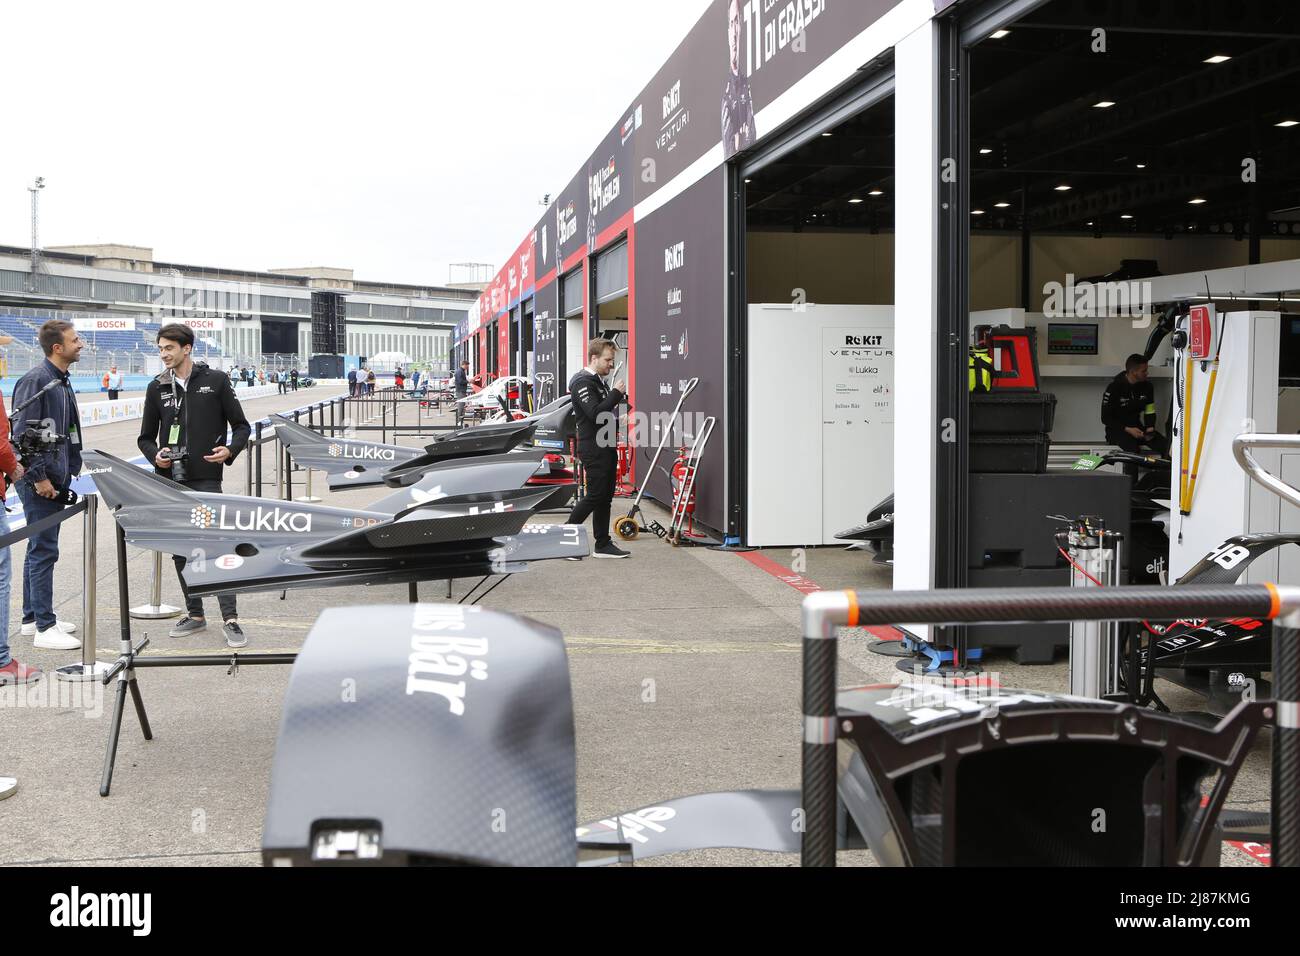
(738, 58)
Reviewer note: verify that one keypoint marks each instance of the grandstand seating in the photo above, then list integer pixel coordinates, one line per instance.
(25, 332)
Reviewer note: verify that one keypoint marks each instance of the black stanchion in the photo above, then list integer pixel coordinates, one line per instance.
(257, 460)
(124, 671)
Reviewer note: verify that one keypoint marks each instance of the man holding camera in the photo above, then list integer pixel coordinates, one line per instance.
(187, 410)
(53, 460)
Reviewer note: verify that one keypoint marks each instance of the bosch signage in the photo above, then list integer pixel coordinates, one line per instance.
(84, 323)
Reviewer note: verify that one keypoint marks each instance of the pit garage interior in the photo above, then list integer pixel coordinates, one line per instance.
(815, 212)
(1102, 143)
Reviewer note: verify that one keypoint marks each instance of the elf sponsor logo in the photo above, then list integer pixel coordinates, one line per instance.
(675, 256)
(436, 655)
(75, 909)
(638, 826)
(256, 519)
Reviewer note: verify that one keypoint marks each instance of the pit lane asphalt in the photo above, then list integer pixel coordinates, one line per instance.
(684, 664)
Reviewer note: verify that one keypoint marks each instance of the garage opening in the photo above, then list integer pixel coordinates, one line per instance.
(573, 336)
(609, 317)
(818, 317)
(1129, 162)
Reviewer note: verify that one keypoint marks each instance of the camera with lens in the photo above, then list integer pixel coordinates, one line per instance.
(179, 457)
(39, 437)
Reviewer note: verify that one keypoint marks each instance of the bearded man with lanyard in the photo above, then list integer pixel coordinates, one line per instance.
(190, 406)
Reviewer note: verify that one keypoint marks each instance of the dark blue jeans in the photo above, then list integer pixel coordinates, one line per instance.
(42, 554)
(194, 605)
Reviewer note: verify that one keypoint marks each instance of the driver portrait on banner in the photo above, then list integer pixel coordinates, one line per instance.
(738, 130)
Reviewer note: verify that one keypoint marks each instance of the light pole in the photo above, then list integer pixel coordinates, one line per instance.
(35, 190)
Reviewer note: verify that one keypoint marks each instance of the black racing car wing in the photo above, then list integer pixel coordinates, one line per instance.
(286, 568)
(768, 820)
(335, 455)
(456, 748)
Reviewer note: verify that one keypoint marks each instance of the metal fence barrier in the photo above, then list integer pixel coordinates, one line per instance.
(825, 612)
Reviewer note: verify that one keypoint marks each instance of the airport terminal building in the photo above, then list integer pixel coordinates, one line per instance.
(238, 314)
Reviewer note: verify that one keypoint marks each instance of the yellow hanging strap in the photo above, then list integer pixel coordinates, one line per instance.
(1184, 503)
(1200, 439)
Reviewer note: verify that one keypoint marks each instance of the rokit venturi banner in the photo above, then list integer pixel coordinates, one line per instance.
(680, 328)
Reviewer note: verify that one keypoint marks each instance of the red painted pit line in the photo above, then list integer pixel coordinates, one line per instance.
(1257, 851)
(806, 585)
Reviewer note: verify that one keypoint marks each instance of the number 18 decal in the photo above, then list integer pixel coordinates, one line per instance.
(1229, 556)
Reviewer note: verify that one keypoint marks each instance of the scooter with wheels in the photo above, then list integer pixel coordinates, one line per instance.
(627, 527)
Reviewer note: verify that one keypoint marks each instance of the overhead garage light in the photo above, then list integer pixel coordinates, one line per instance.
(1217, 58)
(1103, 104)
(826, 134)
(1195, 202)
(1125, 215)
(998, 34)
(855, 199)
(749, 180)
(875, 192)
(1063, 188)
(977, 212)
(985, 150)
(1141, 165)
(1002, 205)
(1286, 123)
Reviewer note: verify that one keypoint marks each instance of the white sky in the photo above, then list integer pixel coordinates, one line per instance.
(389, 137)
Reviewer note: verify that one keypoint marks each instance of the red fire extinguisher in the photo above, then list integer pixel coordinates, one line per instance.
(681, 474)
(623, 486)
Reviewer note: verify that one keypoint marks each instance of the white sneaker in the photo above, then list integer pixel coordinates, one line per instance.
(56, 640)
(67, 627)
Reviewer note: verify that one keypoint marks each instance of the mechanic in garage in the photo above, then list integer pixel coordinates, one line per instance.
(1128, 410)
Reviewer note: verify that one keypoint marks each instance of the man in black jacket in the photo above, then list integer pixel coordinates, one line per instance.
(596, 416)
(190, 406)
(1128, 409)
(461, 385)
(44, 488)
